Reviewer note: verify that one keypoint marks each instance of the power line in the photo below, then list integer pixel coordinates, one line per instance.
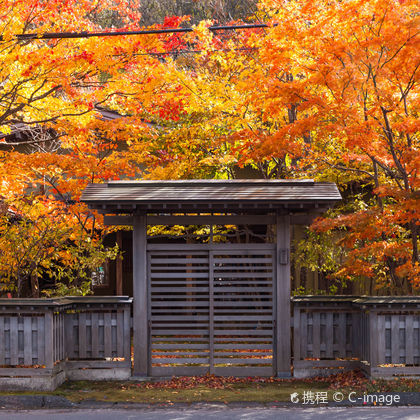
(180, 52)
(85, 34)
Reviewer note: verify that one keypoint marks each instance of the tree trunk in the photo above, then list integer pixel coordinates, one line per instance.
(34, 285)
(414, 239)
(20, 286)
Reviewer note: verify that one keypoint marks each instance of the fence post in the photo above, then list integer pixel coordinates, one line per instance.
(296, 333)
(127, 333)
(282, 316)
(49, 338)
(373, 338)
(140, 302)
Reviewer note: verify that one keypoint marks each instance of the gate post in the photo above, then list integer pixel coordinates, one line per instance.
(282, 309)
(140, 295)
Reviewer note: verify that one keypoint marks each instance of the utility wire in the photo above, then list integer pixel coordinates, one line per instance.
(63, 35)
(180, 52)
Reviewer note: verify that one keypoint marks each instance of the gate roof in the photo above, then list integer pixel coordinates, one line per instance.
(210, 195)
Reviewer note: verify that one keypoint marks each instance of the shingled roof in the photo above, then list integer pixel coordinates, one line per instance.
(210, 195)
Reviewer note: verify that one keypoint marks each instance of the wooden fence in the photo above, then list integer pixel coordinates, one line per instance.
(324, 335)
(43, 342)
(393, 326)
(379, 335)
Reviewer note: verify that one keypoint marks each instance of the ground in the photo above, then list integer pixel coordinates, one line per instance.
(217, 413)
(210, 388)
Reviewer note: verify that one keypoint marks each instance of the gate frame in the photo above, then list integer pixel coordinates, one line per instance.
(252, 201)
(281, 284)
(212, 249)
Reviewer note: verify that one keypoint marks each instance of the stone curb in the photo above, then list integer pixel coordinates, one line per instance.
(34, 402)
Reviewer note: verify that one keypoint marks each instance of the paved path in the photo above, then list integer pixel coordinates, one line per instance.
(217, 413)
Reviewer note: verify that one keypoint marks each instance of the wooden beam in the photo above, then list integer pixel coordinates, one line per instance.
(282, 308)
(140, 301)
(118, 220)
(119, 267)
(297, 219)
(209, 247)
(302, 219)
(212, 220)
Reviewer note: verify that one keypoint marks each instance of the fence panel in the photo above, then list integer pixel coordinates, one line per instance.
(97, 333)
(379, 335)
(42, 341)
(397, 336)
(99, 339)
(23, 337)
(324, 335)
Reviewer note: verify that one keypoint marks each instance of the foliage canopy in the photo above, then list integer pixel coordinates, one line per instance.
(330, 91)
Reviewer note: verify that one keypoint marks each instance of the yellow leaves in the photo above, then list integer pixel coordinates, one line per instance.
(5, 129)
(204, 36)
(219, 161)
(313, 96)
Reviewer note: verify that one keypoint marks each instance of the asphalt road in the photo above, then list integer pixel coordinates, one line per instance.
(383, 413)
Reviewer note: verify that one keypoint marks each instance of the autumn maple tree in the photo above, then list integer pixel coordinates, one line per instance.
(54, 137)
(328, 90)
(348, 72)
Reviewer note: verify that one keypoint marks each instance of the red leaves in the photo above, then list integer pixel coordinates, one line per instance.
(352, 379)
(170, 110)
(345, 379)
(174, 41)
(209, 381)
(357, 380)
(174, 21)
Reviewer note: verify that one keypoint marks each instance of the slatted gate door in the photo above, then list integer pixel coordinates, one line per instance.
(211, 310)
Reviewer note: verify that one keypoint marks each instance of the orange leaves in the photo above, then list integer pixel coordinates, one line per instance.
(344, 381)
(329, 93)
(375, 239)
(352, 379)
(210, 381)
(338, 81)
(411, 271)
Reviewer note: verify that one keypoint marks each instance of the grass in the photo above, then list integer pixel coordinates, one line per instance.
(131, 392)
(210, 388)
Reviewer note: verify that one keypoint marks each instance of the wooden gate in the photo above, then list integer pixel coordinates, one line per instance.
(211, 309)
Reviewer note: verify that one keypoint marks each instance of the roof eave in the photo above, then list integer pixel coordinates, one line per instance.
(226, 206)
